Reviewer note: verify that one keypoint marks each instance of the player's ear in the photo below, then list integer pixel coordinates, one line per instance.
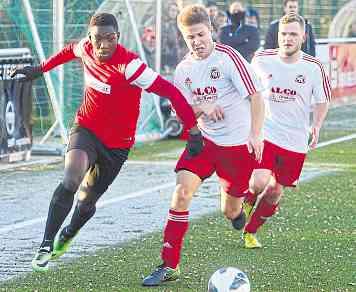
(118, 35)
(89, 36)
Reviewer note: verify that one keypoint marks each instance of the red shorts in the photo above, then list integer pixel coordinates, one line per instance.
(286, 165)
(232, 164)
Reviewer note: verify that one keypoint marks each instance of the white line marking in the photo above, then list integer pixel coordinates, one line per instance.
(31, 222)
(334, 141)
(101, 204)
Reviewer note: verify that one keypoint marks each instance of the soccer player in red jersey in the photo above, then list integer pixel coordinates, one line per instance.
(296, 84)
(224, 93)
(104, 129)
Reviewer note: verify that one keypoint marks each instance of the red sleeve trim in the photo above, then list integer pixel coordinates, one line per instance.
(137, 73)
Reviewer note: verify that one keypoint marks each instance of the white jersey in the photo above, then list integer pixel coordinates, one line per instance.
(291, 90)
(226, 79)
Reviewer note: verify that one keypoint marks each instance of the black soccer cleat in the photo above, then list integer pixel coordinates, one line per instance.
(160, 275)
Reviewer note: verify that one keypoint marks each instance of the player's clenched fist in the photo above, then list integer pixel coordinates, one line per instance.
(195, 143)
(30, 72)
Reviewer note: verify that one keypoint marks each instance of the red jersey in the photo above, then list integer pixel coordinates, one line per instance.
(111, 102)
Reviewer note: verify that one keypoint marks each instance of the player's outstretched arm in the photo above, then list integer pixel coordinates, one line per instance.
(255, 140)
(319, 115)
(30, 72)
(184, 111)
(33, 72)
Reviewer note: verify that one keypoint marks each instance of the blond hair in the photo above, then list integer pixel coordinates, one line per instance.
(193, 14)
(293, 17)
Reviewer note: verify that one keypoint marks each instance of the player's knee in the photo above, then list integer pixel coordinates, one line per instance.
(72, 183)
(62, 197)
(258, 186)
(182, 197)
(258, 183)
(230, 212)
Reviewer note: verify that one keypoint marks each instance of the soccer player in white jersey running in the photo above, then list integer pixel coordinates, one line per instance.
(296, 84)
(224, 93)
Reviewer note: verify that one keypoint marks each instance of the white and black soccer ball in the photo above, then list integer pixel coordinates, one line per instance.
(228, 280)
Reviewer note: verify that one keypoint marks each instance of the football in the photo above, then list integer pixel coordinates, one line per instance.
(229, 279)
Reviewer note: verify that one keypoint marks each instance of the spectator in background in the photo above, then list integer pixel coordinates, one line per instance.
(243, 37)
(170, 39)
(149, 45)
(252, 17)
(271, 40)
(213, 10)
(220, 21)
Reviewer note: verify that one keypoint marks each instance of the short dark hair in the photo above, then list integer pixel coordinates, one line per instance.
(286, 1)
(104, 19)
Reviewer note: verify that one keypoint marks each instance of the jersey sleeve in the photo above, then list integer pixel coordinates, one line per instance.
(242, 74)
(78, 48)
(321, 86)
(63, 56)
(182, 83)
(256, 66)
(139, 74)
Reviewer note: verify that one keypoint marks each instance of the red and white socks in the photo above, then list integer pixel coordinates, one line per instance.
(173, 235)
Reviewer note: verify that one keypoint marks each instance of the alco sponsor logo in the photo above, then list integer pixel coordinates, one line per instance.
(206, 94)
(286, 91)
(283, 94)
(215, 73)
(205, 91)
(300, 79)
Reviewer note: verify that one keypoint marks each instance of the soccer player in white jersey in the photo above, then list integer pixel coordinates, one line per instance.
(296, 85)
(224, 93)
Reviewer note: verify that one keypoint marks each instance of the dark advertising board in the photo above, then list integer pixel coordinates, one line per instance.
(15, 108)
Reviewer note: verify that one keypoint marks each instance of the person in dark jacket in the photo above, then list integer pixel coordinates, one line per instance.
(239, 35)
(271, 40)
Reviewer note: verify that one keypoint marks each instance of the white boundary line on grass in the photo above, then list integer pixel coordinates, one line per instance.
(101, 204)
(338, 140)
(137, 194)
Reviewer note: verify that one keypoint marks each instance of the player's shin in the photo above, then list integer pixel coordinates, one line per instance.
(174, 232)
(59, 208)
(263, 211)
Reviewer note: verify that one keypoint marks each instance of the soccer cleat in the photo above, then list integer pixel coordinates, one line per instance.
(61, 244)
(41, 259)
(160, 275)
(251, 240)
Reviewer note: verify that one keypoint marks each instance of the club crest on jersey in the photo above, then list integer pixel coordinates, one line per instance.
(214, 73)
(300, 79)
